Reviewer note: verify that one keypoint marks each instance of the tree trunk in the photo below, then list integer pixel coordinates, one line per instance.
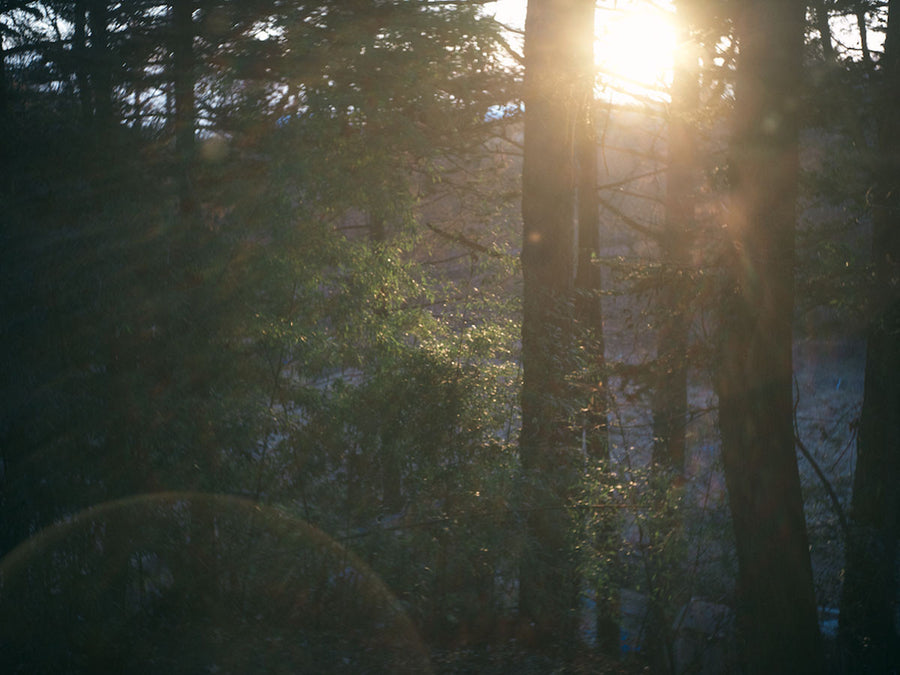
(553, 100)
(79, 49)
(588, 282)
(594, 422)
(4, 87)
(776, 600)
(824, 28)
(670, 400)
(869, 593)
(862, 26)
(183, 85)
(101, 65)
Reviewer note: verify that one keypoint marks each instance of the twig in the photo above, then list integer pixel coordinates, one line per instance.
(829, 489)
(468, 243)
(628, 220)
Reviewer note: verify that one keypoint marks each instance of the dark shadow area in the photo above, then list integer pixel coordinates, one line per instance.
(188, 583)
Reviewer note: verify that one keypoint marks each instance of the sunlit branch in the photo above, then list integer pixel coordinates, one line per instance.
(630, 179)
(508, 48)
(468, 243)
(629, 221)
(640, 195)
(615, 77)
(511, 29)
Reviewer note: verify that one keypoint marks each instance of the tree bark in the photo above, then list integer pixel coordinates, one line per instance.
(183, 81)
(79, 49)
(553, 101)
(862, 26)
(824, 28)
(869, 593)
(588, 282)
(101, 65)
(594, 422)
(670, 404)
(776, 608)
(4, 86)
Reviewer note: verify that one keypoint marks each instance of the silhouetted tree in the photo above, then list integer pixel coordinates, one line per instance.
(588, 278)
(869, 594)
(554, 98)
(676, 238)
(776, 600)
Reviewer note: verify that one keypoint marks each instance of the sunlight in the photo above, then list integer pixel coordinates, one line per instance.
(635, 45)
(635, 42)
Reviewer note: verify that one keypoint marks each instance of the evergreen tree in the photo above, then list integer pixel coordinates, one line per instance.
(869, 593)
(776, 600)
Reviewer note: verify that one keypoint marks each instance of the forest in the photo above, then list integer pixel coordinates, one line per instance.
(450, 336)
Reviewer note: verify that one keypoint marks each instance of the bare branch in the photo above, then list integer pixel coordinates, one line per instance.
(629, 221)
(468, 243)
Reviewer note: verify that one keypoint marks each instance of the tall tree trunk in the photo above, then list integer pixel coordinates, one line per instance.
(552, 104)
(824, 28)
(79, 49)
(869, 593)
(673, 311)
(4, 86)
(589, 309)
(101, 65)
(862, 26)
(183, 82)
(588, 282)
(670, 404)
(776, 599)
(6, 173)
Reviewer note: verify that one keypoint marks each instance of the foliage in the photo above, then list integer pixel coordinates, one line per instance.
(335, 331)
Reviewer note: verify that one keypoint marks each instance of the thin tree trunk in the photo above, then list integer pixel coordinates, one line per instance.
(863, 27)
(79, 49)
(4, 87)
(552, 102)
(824, 28)
(183, 81)
(776, 600)
(101, 65)
(869, 593)
(589, 311)
(588, 282)
(673, 312)
(6, 173)
(670, 404)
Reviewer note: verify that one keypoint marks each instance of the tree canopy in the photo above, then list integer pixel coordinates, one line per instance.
(385, 336)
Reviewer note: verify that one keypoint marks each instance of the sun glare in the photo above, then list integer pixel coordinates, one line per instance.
(635, 42)
(635, 45)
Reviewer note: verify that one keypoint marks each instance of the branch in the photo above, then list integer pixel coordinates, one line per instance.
(468, 243)
(517, 57)
(832, 495)
(631, 179)
(628, 220)
(638, 195)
